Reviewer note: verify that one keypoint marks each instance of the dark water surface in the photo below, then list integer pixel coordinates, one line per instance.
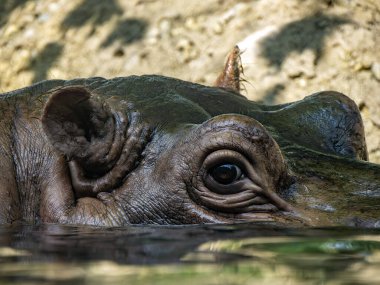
(220, 254)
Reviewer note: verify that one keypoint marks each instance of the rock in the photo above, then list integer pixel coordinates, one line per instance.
(344, 55)
(193, 24)
(302, 82)
(234, 12)
(187, 49)
(11, 29)
(366, 61)
(165, 26)
(217, 28)
(375, 69)
(297, 65)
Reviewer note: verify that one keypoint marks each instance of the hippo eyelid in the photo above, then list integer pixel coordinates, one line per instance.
(228, 156)
(249, 193)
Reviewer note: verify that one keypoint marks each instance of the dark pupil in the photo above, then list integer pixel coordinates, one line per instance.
(225, 174)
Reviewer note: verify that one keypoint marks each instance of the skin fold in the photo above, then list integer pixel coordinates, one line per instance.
(158, 150)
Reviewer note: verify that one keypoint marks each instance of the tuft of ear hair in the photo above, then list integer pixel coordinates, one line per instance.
(230, 76)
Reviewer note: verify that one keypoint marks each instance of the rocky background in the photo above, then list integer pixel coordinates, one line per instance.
(289, 48)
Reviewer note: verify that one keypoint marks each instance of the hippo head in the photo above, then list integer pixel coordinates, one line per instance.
(158, 150)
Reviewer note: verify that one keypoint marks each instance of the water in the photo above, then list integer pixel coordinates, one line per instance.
(238, 254)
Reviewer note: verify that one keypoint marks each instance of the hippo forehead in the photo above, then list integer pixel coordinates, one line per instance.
(322, 121)
(168, 101)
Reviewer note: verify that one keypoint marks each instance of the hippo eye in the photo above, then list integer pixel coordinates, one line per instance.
(226, 173)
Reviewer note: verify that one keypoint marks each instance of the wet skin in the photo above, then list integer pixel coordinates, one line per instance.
(158, 150)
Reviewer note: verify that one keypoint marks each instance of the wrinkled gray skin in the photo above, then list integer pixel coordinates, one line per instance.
(147, 150)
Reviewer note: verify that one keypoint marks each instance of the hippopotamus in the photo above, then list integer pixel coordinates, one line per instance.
(157, 150)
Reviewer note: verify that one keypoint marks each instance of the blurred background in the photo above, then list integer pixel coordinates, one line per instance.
(290, 49)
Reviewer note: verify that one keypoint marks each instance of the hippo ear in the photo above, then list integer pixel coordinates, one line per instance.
(76, 124)
(230, 76)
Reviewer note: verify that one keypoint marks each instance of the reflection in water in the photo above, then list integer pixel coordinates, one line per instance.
(240, 254)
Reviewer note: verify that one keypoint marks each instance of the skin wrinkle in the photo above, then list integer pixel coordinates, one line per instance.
(13, 138)
(64, 210)
(123, 208)
(124, 199)
(86, 211)
(16, 161)
(163, 199)
(137, 136)
(223, 142)
(209, 216)
(138, 212)
(10, 212)
(236, 199)
(183, 217)
(125, 164)
(179, 168)
(118, 138)
(139, 208)
(242, 206)
(116, 214)
(231, 202)
(344, 131)
(104, 216)
(109, 216)
(79, 212)
(157, 212)
(28, 158)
